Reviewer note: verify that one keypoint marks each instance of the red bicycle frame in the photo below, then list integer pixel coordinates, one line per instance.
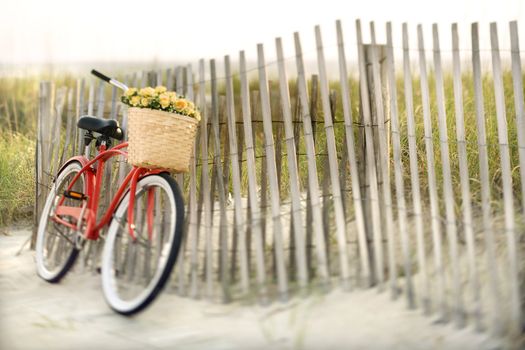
(93, 178)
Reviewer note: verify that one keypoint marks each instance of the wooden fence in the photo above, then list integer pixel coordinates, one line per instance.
(411, 182)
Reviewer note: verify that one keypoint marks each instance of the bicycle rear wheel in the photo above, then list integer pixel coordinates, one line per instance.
(134, 271)
(56, 251)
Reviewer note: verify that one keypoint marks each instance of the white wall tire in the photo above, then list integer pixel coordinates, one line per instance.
(117, 264)
(46, 232)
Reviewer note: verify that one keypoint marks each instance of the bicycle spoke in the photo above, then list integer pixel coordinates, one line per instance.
(56, 250)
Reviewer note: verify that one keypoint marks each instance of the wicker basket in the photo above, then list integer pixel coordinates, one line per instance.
(159, 139)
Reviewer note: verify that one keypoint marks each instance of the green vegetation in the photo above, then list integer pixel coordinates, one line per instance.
(19, 107)
(17, 177)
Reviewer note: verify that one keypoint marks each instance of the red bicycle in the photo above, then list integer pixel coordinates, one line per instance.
(145, 220)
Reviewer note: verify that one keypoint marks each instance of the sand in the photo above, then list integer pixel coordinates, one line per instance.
(37, 315)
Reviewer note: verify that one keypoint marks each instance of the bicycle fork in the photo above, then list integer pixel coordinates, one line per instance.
(131, 207)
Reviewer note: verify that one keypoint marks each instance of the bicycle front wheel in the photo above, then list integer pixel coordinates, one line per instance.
(134, 270)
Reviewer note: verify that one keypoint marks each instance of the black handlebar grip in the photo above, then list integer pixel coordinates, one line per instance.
(100, 75)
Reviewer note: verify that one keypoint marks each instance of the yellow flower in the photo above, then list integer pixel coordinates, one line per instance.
(145, 102)
(160, 89)
(173, 96)
(134, 101)
(164, 100)
(147, 91)
(130, 92)
(197, 116)
(180, 104)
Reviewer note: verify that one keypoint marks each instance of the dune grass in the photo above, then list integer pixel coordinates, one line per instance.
(17, 177)
(19, 109)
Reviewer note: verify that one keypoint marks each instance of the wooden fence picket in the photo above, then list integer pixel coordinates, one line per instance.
(517, 80)
(383, 163)
(205, 187)
(414, 176)
(69, 128)
(350, 142)
(298, 229)
(223, 225)
(448, 193)
(465, 178)
(332, 158)
(506, 175)
(79, 111)
(313, 182)
(256, 228)
(236, 177)
(193, 227)
(370, 160)
(488, 230)
(398, 170)
(271, 167)
(431, 173)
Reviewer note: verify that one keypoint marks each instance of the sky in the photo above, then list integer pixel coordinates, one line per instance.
(71, 31)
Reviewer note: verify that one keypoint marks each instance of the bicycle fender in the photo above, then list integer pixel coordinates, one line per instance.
(89, 173)
(81, 159)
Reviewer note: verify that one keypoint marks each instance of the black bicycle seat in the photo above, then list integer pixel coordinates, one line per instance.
(107, 127)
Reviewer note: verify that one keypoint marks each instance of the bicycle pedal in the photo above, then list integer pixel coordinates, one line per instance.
(75, 195)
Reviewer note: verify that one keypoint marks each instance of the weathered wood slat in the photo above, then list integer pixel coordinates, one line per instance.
(383, 154)
(193, 227)
(115, 93)
(205, 188)
(236, 178)
(282, 283)
(432, 189)
(314, 93)
(313, 181)
(223, 226)
(252, 181)
(101, 99)
(42, 155)
(517, 80)
(398, 170)
(230, 262)
(259, 144)
(506, 176)
(350, 142)
(448, 193)
(181, 260)
(90, 108)
(169, 79)
(79, 110)
(69, 128)
(488, 230)
(465, 179)
(56, 131)
(370, 159)
(332, 159)
(298, 228)
(414, 176)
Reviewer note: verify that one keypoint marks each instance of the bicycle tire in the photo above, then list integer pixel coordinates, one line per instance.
(115, 271)
(43, 234)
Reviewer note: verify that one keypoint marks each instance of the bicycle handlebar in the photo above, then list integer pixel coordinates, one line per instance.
(100, 75)
(109, 80)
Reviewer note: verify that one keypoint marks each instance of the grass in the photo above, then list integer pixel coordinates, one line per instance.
(17, 177)
(19, 107)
